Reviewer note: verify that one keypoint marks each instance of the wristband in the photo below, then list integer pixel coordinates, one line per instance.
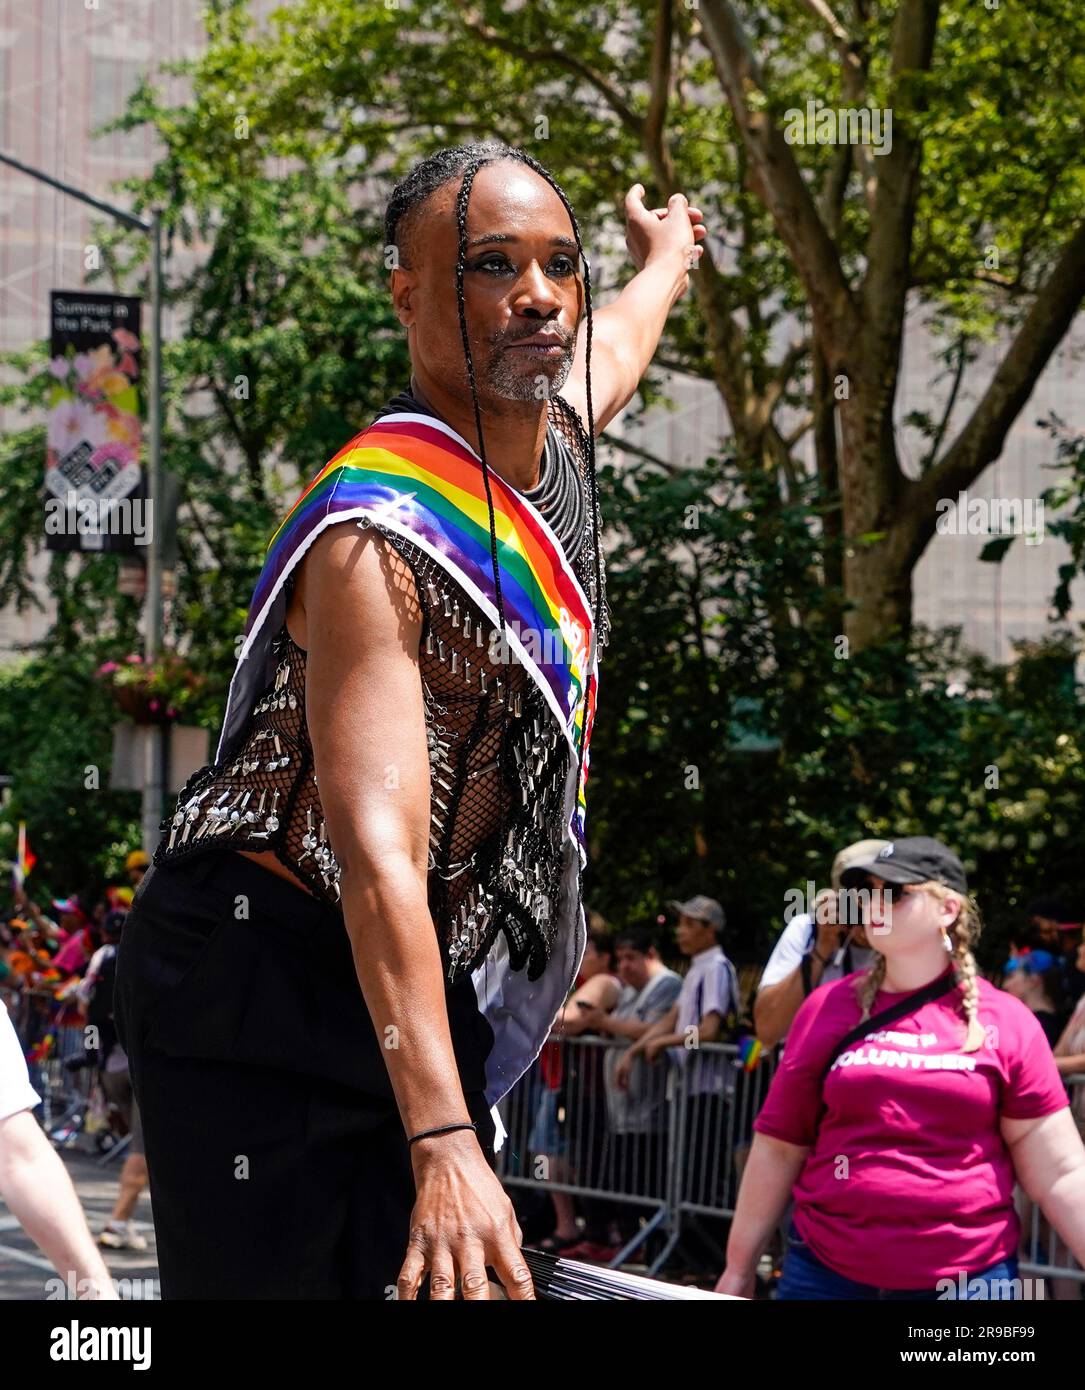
(443, 1129)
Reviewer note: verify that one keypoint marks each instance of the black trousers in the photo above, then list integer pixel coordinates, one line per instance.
(277, 1160)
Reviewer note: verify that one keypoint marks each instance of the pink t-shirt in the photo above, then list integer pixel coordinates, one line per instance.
(908, 1179)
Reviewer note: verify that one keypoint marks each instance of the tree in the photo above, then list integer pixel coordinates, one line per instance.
(968, 214)
(987, 170)
(973, 214)
(274, 173)
(727, 765)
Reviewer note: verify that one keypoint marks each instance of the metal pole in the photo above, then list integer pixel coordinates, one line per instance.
(156, 781)
(130, 219)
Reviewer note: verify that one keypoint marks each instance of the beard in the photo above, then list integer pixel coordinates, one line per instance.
(503, 377)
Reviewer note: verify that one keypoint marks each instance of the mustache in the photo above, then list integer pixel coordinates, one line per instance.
(559, 336)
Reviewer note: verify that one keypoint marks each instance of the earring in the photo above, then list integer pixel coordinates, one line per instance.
(946, 942)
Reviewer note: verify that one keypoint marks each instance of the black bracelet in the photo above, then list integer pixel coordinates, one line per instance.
(444, 1129)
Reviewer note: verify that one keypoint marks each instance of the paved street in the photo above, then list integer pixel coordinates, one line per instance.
(24, 1271)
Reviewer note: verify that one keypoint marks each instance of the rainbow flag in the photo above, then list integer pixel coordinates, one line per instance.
(421, 479)
(25, 858)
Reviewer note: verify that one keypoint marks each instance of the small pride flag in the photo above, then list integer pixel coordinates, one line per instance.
(25, 858)
(749, 1052)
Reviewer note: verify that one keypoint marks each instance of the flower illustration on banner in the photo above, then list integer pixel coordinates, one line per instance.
(94, 404)
(73, 421)
(120, 425)
(114, 383)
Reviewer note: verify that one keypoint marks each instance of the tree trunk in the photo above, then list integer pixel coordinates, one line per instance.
(877, 563)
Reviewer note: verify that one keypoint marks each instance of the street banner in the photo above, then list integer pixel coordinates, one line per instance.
(95, 489)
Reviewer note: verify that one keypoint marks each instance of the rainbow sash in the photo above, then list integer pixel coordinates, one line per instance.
(423, 481)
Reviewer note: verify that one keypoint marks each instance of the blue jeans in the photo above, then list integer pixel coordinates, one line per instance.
(804, 1276)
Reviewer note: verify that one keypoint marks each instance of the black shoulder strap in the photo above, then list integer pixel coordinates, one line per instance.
(907, 1005)
(805, 964)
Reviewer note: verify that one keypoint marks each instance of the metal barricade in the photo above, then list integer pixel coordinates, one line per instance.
(64, 1091)
(674, 1154)
(1043, 1254)
(715, 1101)
(571, 1130)
(65, 1078)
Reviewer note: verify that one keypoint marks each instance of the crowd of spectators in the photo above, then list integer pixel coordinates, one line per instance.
(601, 1100)
(56, 983)
(651, 996)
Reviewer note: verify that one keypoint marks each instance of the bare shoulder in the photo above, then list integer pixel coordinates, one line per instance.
(352, 579)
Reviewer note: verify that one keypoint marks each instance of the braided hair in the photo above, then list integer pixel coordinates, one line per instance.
(425, 179)
(963, 935)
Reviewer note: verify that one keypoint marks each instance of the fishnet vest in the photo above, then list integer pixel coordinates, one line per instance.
(265, 796)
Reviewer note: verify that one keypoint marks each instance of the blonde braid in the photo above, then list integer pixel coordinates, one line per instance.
(869, 984)
(963, 933)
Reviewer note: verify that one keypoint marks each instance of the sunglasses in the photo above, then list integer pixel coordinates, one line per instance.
(894, 892)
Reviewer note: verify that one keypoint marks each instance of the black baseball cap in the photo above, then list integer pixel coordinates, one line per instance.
(917, 859)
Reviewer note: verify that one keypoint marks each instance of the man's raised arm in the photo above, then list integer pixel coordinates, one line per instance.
(664, 244)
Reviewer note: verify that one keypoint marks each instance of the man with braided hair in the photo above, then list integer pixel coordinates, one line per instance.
(401, 780)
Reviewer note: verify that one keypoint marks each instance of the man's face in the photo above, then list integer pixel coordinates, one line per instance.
(521, 278)
(1046, 931)
(693, 935)
(633, 967)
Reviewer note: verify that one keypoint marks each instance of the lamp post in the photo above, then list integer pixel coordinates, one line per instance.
(156, 778)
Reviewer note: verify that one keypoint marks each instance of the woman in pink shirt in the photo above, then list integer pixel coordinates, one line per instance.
(902, 1147)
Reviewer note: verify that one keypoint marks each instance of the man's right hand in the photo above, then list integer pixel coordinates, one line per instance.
(462, 1221)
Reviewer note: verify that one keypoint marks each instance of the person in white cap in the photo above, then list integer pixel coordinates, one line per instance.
(709, 990)
(814, 948)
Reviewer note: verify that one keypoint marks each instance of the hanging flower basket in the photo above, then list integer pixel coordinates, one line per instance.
(157, 692)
